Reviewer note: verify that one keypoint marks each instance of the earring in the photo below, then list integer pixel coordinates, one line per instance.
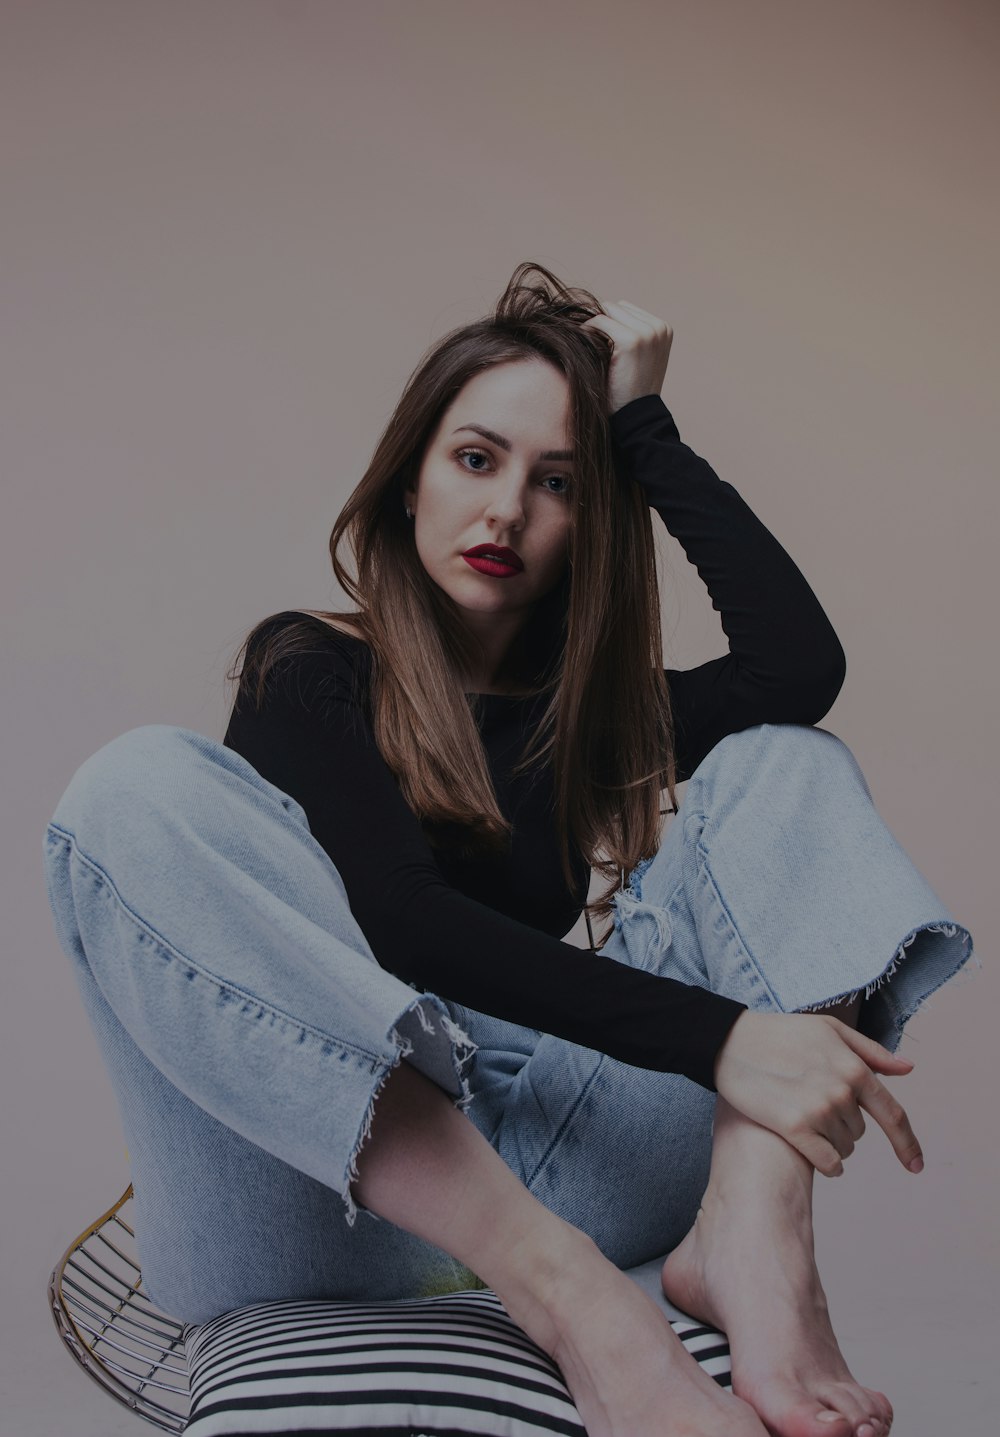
(409, 512)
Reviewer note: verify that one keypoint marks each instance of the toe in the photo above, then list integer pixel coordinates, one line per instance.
(856, 1407)
(792, 1412)
(877, 1414)
(882, 1410)
(835, 1424)
(819, 1417)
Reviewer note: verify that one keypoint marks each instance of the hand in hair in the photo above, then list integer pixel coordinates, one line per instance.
(806, 1077)
(640, 353)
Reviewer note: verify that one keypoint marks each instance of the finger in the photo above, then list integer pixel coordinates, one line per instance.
(621, 326)
(645, 325)
(891, 1118)
(841, 1137)
(877, 1057)
(598, 321)
(644, 328)
(855, 1123)
(651, 320)
(817, 1150)
(631, 313)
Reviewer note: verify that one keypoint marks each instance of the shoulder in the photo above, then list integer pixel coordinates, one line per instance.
(336, 624)
(319, 655)
(307, 631)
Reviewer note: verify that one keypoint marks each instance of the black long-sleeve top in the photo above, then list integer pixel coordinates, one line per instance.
(486, 932)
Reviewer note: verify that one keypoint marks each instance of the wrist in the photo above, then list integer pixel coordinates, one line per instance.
(725, 1047)
(640, 414)
(623, 401)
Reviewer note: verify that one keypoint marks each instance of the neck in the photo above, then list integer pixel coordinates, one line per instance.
(498, 666)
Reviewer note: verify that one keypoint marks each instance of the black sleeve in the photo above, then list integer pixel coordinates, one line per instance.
(311, 738)
(785, 663)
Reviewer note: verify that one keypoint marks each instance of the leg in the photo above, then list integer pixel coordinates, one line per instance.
(427, 1168)
(253, 1042)
(245, 1024)
(800, 897)
(777, 884)
(748, 1267)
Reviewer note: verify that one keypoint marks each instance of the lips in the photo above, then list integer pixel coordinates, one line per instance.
(495, 553)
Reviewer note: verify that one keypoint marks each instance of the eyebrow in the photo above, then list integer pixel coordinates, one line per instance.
(503, 443)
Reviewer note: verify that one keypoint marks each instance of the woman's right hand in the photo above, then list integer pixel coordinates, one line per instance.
(640, 351)
(807, 1076)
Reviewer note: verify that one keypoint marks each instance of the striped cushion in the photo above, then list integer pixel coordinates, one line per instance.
(449, 1366)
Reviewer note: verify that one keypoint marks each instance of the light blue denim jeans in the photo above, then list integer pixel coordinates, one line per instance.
(247, 1026)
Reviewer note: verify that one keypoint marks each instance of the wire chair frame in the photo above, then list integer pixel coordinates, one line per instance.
(123, 1342)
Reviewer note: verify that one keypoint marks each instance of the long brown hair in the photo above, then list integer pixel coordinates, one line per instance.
(593, 643)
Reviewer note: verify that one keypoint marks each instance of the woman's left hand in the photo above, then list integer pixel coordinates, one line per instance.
(641, 350)
(806, 1076)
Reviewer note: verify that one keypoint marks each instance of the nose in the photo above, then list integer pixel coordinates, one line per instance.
(505, 509)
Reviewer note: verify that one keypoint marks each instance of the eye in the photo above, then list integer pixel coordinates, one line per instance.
(563, 479)
(474, 454)
(461, 454)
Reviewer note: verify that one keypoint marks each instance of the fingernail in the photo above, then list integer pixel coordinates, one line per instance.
(917, 1166)
(831, 1417)
(866, 1430)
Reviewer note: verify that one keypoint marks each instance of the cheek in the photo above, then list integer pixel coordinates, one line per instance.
(560, 543)
(556, 559)
(434, 519)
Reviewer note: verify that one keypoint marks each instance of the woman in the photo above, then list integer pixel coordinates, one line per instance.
(378, 864)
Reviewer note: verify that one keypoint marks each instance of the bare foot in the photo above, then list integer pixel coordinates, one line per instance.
(747, 1267)
(427, 1168)
(624, 1365)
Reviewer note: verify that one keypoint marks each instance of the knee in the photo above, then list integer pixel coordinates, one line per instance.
(791, 740)
(125, 777)
(777, 750)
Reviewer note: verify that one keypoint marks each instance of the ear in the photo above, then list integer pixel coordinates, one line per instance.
(410, 495)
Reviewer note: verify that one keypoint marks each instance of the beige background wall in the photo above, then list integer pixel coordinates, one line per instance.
(228, 233)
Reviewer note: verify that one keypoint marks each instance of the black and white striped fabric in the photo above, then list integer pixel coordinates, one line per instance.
(450, 1366)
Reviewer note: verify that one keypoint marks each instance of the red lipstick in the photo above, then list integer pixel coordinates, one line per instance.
(493, 559)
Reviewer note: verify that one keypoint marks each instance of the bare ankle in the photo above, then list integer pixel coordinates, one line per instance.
(544, 1265)
(747, 1158)
(427, 1168)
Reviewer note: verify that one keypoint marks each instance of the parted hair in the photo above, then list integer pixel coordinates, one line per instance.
(592, 645)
